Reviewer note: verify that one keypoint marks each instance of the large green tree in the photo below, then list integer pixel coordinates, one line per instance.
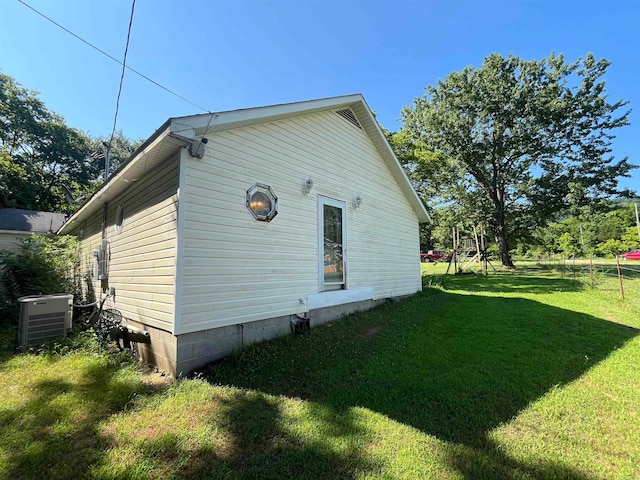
(519, 140)
(591, 231)
(40, 154)
(45, 164)
(121, 149)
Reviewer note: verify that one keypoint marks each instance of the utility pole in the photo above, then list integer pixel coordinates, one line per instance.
(107, 161)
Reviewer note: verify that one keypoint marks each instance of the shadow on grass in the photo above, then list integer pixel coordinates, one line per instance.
(229, 433)
(53, 434)
(59, 432)
(493, 464)
(262, 447)
(461, 369)
(452, 366)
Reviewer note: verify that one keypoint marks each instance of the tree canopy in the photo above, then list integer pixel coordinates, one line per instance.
(585, 233)
(44, 163)
(516, 141)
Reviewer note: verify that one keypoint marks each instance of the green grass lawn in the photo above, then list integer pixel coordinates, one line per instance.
(524, 374)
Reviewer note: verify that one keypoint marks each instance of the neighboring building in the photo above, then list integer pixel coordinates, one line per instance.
(16, 224)
(222, 227)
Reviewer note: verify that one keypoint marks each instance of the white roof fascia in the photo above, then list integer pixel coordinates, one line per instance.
(382, 145)
(117, 181)
(19, 232)
(187, 129)
(202, 124)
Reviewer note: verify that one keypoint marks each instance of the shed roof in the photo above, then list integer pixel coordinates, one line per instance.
(30, 221)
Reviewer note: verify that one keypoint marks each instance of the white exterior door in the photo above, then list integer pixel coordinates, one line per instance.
(332, 244)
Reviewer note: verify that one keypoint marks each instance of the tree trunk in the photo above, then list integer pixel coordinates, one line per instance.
(497, 226)
(503, 246)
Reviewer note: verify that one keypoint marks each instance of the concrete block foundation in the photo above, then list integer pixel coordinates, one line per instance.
(180, 355)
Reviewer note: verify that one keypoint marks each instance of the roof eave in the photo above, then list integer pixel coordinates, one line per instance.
(118, 180)
(184, 130)
(370, 124)
(200, 125)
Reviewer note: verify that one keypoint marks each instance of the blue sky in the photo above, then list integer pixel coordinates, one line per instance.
(244, 53)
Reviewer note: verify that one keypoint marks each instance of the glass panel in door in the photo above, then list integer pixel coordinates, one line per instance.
(333, 247)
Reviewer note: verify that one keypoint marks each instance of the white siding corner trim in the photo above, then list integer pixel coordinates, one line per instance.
(182, 189)
(339, 297)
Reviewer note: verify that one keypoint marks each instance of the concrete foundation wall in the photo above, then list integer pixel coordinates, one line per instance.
(162, 350)
(197, 349)
(324, 315)
(181, 355)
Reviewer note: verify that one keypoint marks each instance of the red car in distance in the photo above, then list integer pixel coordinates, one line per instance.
(632, 255)
(434, 255)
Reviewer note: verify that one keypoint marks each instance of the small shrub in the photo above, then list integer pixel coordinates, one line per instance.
(79, 340)
(43, 265)
(429, 281)
(611, 248)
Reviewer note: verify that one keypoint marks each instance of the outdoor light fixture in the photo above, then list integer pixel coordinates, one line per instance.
(357, 201)
(308, 185)
(196, 149)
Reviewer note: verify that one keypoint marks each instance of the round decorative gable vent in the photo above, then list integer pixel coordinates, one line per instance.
(262, 203)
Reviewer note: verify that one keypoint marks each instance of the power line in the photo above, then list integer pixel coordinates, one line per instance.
(124, 69)
(113, 58)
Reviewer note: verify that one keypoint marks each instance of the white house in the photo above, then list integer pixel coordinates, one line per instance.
(17, 224)
(222, 228)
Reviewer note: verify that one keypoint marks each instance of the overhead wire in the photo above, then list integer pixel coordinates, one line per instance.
(107, 163)
(113, 58)
(124, 68)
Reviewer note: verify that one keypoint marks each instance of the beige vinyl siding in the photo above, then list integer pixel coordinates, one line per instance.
(237, 270)
(89, 233)
(143, 254)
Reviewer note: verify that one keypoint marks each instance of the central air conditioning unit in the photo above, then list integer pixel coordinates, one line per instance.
(102, 257)
(44, 318)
